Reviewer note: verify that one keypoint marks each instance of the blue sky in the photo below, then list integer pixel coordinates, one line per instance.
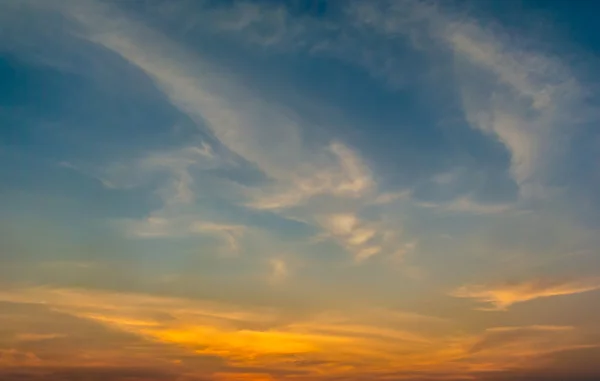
(415, 170)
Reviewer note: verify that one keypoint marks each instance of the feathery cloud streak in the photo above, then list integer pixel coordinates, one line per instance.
(502, 296)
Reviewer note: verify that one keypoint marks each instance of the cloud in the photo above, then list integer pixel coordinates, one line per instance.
(512, 95)
(303, 178)
(38, 336)
(160, 225)
(340, 173)
(211, 96)
(390, 197)
(361, 237)
(263, 24)
(523, 347)
(502, 296)
(298, 176)
(176, 167)
(14, 357)
(335, 343)
(501, 337)
(33, 330)
(527, 115)
(467, 205)
(177, 164)
(222, 338)
(98, 373)
(510, 88)
(279, 270)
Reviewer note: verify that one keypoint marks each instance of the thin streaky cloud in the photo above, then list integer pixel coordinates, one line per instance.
(210, 97)
(529, 95)
(502, 296)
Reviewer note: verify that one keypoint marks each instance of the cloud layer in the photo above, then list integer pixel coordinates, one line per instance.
(311, 190)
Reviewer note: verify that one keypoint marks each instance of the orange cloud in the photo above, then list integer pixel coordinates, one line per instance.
(502, 296)
(524, 347)
(25, 337)
(228, 376)
(260, 344)
(15, 357)
(325, 344)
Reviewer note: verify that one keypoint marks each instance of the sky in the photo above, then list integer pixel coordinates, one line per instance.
(306, 190)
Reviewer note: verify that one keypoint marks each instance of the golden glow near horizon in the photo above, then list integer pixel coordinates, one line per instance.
(325, 345)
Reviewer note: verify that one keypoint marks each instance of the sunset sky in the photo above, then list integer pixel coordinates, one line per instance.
(263, 190)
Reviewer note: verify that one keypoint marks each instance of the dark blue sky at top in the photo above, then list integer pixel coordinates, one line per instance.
(57, 115)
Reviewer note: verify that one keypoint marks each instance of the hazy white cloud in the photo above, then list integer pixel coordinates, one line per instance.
(526, 103)
(278, 270)
(527, 99)
(390, 197)
(175, 164)
(364, 238)
(355, 235)
(271, 138)
(466, 204)
(520, 95)
(263, 134)
(319, 182)
(160, 225)
(340, 172)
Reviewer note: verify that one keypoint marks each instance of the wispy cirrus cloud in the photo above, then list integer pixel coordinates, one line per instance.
(528, 111)
(523, 347)
(177, 164)
(296, 172)
(262, 135)
(502, 296)
(467, 205)
(159, 226)
(340, 173)
(528, 99)
(523, 97)
(519, 95)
